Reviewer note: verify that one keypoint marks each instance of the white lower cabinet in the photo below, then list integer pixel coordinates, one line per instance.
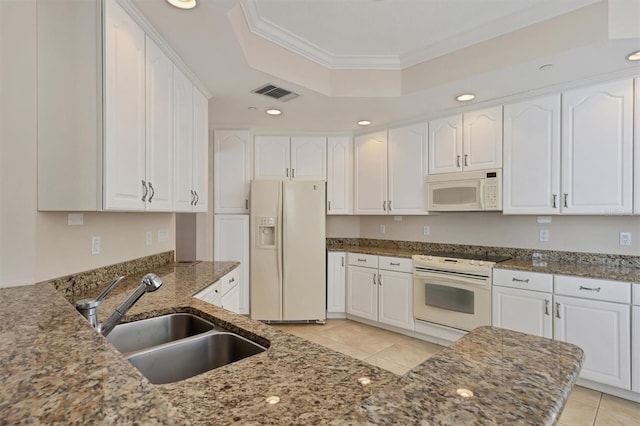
(336, 280)
(223, 292)
(635, 350)
(231, 243)
(379, 294)
(523, 310)
(211, 294)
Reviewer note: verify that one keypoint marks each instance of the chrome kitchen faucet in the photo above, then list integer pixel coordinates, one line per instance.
(87, 307)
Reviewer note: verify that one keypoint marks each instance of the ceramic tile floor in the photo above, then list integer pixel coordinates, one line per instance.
(398, 354)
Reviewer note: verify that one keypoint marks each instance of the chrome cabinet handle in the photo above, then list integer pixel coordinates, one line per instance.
(329, 208)
(293, 173)
(565, 199)
(361, 260)
(394, 264)
(374, 279)
(466, 163)
(197, 198)
(342, 261)
(193, 197)
(590, 288)
(555, 196)
(546, 307)
(287, 172)
(146, 191)
(379, 279)
(518, 280)
(384, 206)
(458, 161)
(389, 205)
(558, 310)
(232, 280)
(246, 204)
(153, 192)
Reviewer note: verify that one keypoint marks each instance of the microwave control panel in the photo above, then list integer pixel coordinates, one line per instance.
(492, 191)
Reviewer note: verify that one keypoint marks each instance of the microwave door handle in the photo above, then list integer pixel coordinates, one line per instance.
(482, 194)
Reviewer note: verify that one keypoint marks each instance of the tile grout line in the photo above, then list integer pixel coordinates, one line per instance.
(595, 418)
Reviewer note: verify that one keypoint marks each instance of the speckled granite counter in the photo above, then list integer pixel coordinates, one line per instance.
(608, 272)
(57, 369)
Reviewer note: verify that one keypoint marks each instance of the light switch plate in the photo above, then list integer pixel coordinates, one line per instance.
(383, 229)
(149, 238)
(163, 236)
(95, 245)
(544, 235)
(544, 219)
(426, 230)
(74, 219)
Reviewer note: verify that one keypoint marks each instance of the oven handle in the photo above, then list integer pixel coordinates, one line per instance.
(460, 281)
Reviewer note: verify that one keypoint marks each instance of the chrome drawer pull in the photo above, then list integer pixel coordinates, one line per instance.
(518, 280)
(394, 264)
(546, 307)
(379, 279)
(590, 288)
(558, 310)
(362, 260)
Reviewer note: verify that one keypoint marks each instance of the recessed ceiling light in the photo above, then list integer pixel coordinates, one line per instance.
(183, 4)
(364, 122)
(465, 97)
(545, 67)
(634, 56)
(273, 111)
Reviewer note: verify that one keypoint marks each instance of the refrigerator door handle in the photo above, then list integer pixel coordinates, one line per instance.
(280, 236)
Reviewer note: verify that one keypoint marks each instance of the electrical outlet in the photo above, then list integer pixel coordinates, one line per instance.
(426, 230)
(544, 235)
(149, 238)
(382, 229)
(95, 245)
(625, 238)
(163, 235)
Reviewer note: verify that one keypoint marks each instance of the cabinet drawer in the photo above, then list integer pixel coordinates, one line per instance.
(399, 264)
(230, 280)
(589, 288)
(636, 294)
(368, 260)
(210, 294)
(525, 280)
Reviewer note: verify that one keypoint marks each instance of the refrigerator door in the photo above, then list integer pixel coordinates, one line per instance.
(304, 256)
(266, 250)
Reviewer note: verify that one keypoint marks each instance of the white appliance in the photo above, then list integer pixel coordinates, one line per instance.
(288, 254)
(451, 291)
(465, 191)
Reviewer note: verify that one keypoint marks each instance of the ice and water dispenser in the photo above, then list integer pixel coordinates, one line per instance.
(266, 232)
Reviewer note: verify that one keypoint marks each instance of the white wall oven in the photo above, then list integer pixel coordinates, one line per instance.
(452, 291)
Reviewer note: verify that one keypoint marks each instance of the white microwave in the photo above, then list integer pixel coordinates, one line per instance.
(465, 191)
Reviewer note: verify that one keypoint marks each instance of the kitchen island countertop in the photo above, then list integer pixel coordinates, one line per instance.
(57, 369)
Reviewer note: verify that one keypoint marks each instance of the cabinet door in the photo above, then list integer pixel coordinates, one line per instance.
(445, 145)
(482, 139)
(531, 173)
(635, 349)
(362, 292)
(523, 310)
(395, 299)
(309, 158)
(124, 111)
(232, 159)
(339, 175)
(159, 118)
(636, 153)
(231, 300)
(602, 330)
(370, 177)
(336, 278)
(597, 149)
(200, 162)
(231, 243)
(183, 140)
(272, 157)
(407, 170)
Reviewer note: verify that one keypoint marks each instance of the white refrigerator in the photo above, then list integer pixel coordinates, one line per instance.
(288, 261)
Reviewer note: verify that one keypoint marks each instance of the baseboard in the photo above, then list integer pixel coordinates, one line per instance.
(336, 315)
(611, 390)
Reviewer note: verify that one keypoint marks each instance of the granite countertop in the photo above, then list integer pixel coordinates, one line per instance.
(57, 369)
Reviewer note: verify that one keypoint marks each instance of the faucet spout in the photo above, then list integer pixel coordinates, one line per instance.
(87, 307)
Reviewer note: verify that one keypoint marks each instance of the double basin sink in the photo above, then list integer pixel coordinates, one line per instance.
(174, 347)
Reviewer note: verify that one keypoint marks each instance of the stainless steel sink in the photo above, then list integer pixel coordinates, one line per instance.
(146, 333)
(183, 359)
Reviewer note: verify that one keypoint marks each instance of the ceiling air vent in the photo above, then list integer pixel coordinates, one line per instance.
(275, 92)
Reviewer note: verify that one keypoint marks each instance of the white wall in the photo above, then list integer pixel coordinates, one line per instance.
(592, 234)
(36, 246)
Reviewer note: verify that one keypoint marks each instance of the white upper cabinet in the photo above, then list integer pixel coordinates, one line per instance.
(339, 175)
(370, 173)
(471, 141)
(232, 169)
(124, 111)
(482, 139)
(309, 158)
(445, 145)
(407, 160)
(389, 174)
(597, 139)
(183, 139)
(285, 157)
(200, 163)
(159, 135)
(636, 151)
(531, 173)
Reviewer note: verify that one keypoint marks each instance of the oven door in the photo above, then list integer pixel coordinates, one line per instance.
(450, 300)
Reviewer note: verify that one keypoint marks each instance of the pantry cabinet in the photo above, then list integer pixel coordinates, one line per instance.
(339, 175)
(597, 149)
(390, 171)
(336, 284)
(232, 171)
(295, 157)
(531, 173)
(469, 141)
(380, 288)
